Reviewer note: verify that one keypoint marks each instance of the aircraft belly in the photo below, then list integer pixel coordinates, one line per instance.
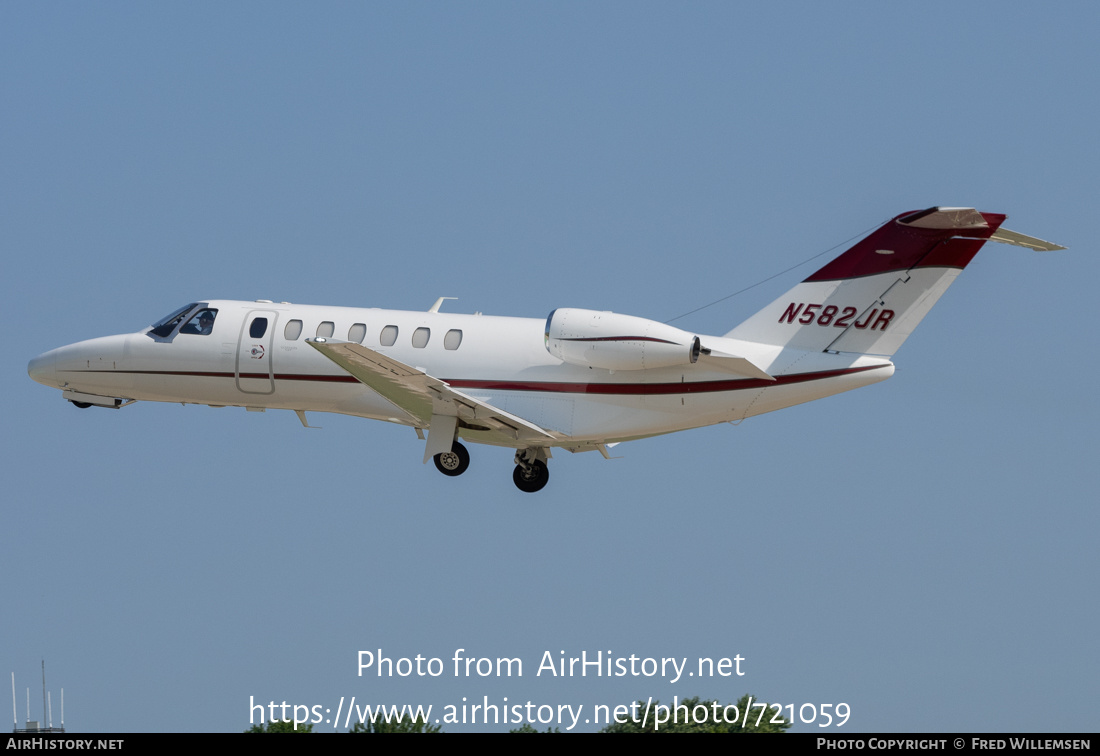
(349, 399)
(550, 411)
(633, 417)
(157, 387)
(788, 395)
(600, 416)
(618, 417)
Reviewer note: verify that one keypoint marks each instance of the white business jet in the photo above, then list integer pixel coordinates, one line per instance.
(578, 380)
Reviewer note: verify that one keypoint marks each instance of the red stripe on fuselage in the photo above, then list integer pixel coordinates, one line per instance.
(693, 387)
(629, 389)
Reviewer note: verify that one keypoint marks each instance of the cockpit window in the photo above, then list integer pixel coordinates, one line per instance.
(166, 325)
(202, 323)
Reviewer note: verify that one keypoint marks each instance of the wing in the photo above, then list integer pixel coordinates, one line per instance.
(431, 402)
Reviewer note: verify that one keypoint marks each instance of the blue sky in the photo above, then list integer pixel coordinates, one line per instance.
(922, 549)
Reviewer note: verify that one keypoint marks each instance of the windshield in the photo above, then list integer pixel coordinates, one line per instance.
(167, 324)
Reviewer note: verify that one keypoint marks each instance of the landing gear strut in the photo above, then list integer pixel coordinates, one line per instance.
(531, 473)
(453, 462)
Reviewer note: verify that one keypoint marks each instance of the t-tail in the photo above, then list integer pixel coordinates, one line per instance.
(868, 300)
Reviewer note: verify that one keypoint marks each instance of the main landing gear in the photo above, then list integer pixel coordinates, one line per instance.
(530, 475)
(453, 462)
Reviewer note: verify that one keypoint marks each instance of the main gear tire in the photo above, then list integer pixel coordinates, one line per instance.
(532, 477)
(454, 462)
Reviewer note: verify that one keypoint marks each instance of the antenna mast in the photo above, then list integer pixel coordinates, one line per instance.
(34, 725)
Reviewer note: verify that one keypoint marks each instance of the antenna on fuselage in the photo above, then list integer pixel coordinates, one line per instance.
(438, 302)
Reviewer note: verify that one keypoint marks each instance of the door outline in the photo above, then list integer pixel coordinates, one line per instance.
(258, 375)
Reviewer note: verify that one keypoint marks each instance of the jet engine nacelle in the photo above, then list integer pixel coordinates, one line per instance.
(617, 342)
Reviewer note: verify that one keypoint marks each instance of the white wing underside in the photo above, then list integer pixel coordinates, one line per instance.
(431, 403)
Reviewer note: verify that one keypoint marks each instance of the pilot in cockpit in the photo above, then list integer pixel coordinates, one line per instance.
(201, 324)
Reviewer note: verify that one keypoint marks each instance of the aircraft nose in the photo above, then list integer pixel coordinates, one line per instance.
(43, 369)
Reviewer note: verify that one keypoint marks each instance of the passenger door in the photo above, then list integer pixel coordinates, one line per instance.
(255, 372)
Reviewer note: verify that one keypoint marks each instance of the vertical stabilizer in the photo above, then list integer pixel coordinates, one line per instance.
(870, 298)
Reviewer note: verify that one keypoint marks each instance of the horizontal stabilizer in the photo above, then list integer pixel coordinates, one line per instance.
(1005, 236)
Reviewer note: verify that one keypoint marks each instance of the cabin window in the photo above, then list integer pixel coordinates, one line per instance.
(357, 333)
(389, 335)
(421, 336)
(258, 328)
(453, 339)
(325, 329)
(293, 330)
(202, 323)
